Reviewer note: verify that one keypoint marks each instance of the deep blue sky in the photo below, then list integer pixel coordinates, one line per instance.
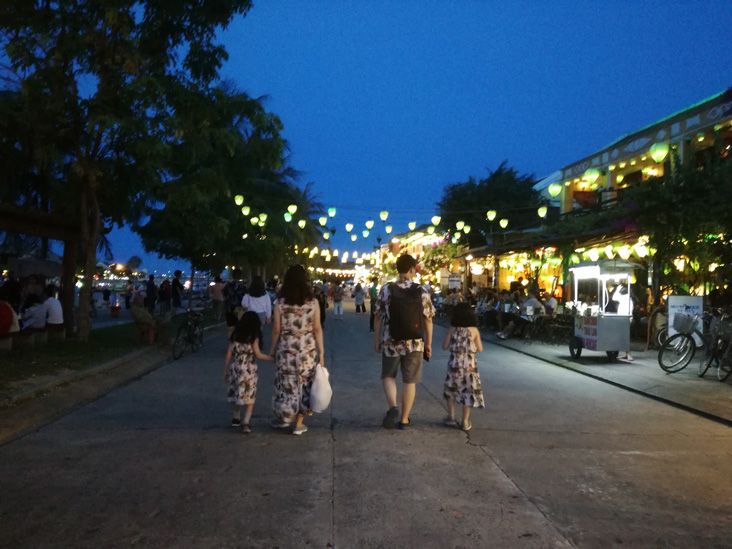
(384, 103)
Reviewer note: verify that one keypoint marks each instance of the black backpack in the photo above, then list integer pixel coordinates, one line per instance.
(406, 312)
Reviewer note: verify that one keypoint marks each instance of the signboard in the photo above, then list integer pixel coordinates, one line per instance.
(455, 281)
(687, 304)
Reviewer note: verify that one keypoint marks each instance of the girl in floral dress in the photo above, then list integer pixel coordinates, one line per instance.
(297, 336)
(240, 367)
(462, 384)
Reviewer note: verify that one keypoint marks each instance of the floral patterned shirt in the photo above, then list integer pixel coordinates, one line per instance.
(392, 347)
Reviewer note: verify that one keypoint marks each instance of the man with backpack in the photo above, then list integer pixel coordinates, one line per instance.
(403, 325)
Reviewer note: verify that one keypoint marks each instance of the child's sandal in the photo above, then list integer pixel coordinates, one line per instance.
(466, 426)
(450, 421)
(246, 429)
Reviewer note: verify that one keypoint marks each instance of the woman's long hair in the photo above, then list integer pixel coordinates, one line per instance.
(257, 289)
(296, 288)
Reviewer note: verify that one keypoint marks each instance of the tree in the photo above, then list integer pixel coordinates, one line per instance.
(507, 192)
(133, 263)
(100, 75)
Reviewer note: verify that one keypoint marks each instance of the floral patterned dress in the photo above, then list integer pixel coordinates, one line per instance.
(462, 383)
(295, 360)
(242, 374)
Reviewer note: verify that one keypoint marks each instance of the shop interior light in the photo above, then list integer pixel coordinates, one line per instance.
(238, 200)
(503, 223)
(554, 189)
(383, 215)
(245, 210)
(370, 224)
(491, 215)
(436, 220)
(542, 211)
(292, 208)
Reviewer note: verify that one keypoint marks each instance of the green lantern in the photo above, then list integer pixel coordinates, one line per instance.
(326, 235)
(591, 175)
(554, 189)
(288, 216)
(331, 212)
(459, 225)
(365, 233)
(659, 152)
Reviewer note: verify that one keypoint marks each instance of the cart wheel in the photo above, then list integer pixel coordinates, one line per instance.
(575, 347)
(612, 355)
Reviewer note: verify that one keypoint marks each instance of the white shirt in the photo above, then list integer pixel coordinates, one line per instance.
(261, 304)
(54, 311)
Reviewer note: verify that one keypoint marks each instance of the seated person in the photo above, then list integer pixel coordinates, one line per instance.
(551, 305)
(530, 308)
(34, 316)
(52, 306)
(141, 315)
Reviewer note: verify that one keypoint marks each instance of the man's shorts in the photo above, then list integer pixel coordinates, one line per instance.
(411, 366)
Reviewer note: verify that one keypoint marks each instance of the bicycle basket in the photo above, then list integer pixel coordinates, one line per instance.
(684, 324)
(723, 329)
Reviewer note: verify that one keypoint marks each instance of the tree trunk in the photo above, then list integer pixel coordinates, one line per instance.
(90, 230)
(190, 289)
(68, 281)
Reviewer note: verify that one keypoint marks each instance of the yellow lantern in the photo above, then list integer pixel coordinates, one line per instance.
(263, 217)
(254, 220)
(412, 225)
(245, 210)
(292, 208)
(591, 175)
(620, 178)
(322, 220)
(383, 215)
(554, 189)
(369, 224)
(301, 223)
(349, 227)
(659, 152)
(542, 211)
(466, 229)
(491, 215)
(238, 200)
(430, 230)
(326, 235)
(388, 229)
(503, 223)
(436, 219)
(459, 225)
(353, 237)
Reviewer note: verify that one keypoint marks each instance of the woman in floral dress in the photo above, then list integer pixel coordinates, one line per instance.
(462, 384)
(297, 336)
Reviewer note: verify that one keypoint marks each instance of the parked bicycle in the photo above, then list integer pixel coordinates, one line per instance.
(719, 350)
(190, 333)
(678, 350)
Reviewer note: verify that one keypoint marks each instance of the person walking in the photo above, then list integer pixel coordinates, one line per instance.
(240, 368)
(257, 299)
(217, 297)
(151, 293)
(358, 297)
(177, 288)
(297, 337)
(337, 302)
(395, 317)
(462, 384)
(373, 298)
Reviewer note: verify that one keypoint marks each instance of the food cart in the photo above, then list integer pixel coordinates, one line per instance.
(601, 305)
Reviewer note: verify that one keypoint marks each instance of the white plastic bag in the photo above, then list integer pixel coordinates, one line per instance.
(321, 392)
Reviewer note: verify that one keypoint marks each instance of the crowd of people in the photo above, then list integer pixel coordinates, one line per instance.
(27, 305)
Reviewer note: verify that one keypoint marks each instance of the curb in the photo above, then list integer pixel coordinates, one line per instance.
(32, 392)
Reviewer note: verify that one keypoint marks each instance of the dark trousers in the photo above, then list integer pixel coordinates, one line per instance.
(373, 314)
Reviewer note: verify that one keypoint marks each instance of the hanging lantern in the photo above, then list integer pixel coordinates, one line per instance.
(261, 223)
(331, 212)
(292, 208)
(369, 224)
(322, 220)
(436, 220)
(591, 175)
(245, 235)
(365, 233)
(459, 225)
(609, 253)
(388, 229)
(700, 136)
(503, 223)
(466, 229)
(383, 215)
(554, 189)
(245, 210)
(326, 235)
(288, 216)
(491, 215)
(412, 225)
(542, 211)
(254, 220)
(263, 217)
(349, 227)
(620, 178)
(659, 152)
(457, 236)
(430, 230)
(301, 223)
(611, 168)
(238, 200)
(353, 237)
(593, 254)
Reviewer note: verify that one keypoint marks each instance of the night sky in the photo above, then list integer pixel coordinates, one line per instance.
(384, 103)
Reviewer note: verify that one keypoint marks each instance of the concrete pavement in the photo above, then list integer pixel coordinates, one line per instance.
(555, 459)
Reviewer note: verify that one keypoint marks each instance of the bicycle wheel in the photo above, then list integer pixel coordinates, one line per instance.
(708, 357)
(661, 336)
(196, 336)
(724, 363)
(676, 353)
(179, 345)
